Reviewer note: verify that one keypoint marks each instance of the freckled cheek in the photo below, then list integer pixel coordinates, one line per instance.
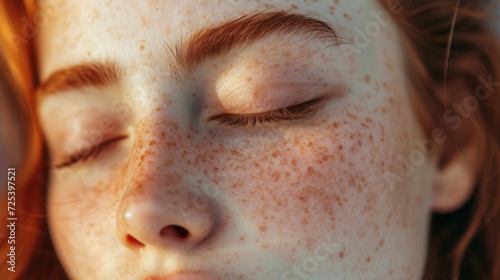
(83, 198)
(84, 245)
(286, 186)
(313, 177)
(79, 215)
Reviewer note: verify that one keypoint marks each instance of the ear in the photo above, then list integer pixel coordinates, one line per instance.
(457, 171)
(455, 181)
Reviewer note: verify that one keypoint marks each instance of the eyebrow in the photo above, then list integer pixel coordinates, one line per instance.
(205, 44)
(219, 40)
(94, 74)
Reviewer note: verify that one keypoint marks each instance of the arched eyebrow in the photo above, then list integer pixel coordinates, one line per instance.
(93, 74)
(219, 40)
(205, 44)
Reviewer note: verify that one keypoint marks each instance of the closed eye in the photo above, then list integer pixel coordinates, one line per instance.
(299, 111)
(87, 153)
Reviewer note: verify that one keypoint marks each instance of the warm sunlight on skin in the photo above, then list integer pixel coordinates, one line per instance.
(182, 183)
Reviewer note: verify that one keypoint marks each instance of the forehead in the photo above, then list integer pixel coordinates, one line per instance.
(119, 30)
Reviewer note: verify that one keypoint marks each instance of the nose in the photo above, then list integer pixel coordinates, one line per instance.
(168, 220)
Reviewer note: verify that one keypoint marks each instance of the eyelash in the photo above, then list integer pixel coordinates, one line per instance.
(85, 154)
(299, 111)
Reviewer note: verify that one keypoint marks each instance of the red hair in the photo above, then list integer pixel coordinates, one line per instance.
(445, 43)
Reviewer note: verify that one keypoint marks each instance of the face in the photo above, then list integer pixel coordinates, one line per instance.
(262, 148)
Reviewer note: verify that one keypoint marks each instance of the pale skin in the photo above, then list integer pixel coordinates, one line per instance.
(256, 202)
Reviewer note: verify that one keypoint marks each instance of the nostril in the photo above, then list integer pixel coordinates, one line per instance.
(182, 232)
(131, 240)
(174, 231)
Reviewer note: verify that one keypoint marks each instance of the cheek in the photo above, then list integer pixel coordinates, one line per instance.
(327, 164)
(82, 220)
(328, 179)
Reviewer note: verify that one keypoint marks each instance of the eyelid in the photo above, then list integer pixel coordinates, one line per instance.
(87, 153)
(299, 111)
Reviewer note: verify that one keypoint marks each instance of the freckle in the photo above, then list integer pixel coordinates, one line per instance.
(294, 162)
(235, 152)
(342, 158)
(341, 147)
(249, 79)
(262, 228)
(152, 143)
(294, 6)
(352, 117)
(341, 255)
(141, 47)
(367, 79)
(310, 169)
(368, 259)
(335, 124)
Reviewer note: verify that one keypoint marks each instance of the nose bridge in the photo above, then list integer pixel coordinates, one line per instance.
(157, 148)
(159, 206)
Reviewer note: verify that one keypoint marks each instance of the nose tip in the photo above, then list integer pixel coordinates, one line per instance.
(163, 224)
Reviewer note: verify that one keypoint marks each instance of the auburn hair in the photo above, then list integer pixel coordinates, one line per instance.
(447, 41)
(444, 40)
